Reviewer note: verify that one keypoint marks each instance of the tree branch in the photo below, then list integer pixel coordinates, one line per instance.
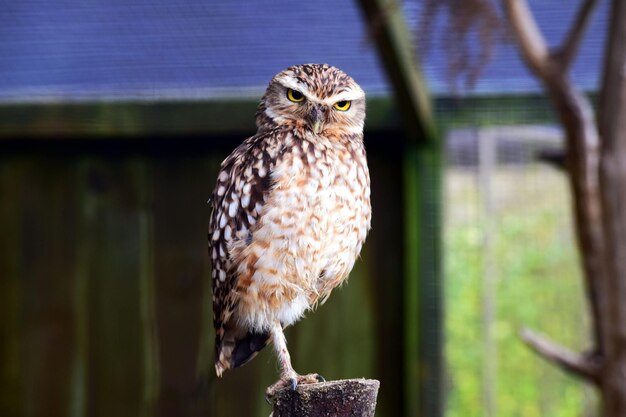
(574, 363)
(577, 118)
(567, 52)
(531, 41)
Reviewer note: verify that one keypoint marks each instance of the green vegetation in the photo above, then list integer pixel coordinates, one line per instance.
(538, 285)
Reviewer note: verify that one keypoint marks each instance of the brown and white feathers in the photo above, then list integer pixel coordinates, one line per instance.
(290, 210)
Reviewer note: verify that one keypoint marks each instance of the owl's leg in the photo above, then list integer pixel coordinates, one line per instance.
(288, 377)
(284, 359)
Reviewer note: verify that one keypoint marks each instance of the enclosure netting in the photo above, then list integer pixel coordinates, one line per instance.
(511, 262)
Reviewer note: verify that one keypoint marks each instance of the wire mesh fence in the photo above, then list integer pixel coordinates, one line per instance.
(511, 262)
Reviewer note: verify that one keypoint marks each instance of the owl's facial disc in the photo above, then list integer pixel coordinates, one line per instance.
(318, 98)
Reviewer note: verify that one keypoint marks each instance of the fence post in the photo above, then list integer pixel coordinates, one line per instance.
(348, 397)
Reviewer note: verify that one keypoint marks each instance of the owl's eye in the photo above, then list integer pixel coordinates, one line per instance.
(343, 105)
(295, 96)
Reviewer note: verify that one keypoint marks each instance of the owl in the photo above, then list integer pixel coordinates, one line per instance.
(289, 214)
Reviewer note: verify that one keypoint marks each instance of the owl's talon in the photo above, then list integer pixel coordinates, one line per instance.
(291, 382)
(284, 382)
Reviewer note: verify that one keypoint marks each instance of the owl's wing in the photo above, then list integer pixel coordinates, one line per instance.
(241, 191)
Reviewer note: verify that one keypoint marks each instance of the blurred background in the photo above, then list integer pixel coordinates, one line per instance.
(114, 118)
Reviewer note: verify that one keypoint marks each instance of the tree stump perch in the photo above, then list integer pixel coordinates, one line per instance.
(348, 397)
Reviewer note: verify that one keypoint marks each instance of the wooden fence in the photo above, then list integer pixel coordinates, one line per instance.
(105, 291)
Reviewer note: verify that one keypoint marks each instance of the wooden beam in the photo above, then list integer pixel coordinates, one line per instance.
(422, 168)
(116, 119)
(235, 116)
(387, 27)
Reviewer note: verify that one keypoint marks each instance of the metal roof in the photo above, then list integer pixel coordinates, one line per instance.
(190, 49)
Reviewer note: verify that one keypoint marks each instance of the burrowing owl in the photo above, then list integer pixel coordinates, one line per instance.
(290, 212)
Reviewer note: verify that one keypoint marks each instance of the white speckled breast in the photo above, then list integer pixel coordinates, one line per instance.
(310, 231)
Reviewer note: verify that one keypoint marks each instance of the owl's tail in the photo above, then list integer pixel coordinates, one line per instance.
(236, 348)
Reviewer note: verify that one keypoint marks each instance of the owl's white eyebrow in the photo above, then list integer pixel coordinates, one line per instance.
(346, 95)
(352, 94)
(294, 85)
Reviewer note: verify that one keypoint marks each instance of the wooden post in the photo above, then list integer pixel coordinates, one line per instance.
(348, 397)
(487, 160)
(422, 387)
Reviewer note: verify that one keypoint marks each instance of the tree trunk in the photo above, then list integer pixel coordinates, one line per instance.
(612, 127)
(577, 118)
(582, 144)
(598, 178)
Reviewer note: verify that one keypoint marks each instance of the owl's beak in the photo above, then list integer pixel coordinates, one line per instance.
(316, 127)
(317, 117)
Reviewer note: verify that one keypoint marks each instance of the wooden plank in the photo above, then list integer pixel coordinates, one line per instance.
(121, 119)
(11, 361)
(422, 304)
(115, 228)
(40, 270)
(47, 256)
(181, 187)
(383, 256)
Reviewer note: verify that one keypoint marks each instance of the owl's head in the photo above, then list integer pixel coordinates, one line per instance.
(314, 98)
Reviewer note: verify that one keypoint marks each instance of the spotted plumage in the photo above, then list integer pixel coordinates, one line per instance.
(289, 213)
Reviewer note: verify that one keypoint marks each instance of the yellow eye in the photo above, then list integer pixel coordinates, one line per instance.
(343, 105)
(295, 96)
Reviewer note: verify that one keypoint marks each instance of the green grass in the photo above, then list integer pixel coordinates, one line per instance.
(538, 284)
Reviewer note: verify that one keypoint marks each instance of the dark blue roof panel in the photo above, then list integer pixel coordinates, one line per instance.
(116, 49)
(187, 47)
